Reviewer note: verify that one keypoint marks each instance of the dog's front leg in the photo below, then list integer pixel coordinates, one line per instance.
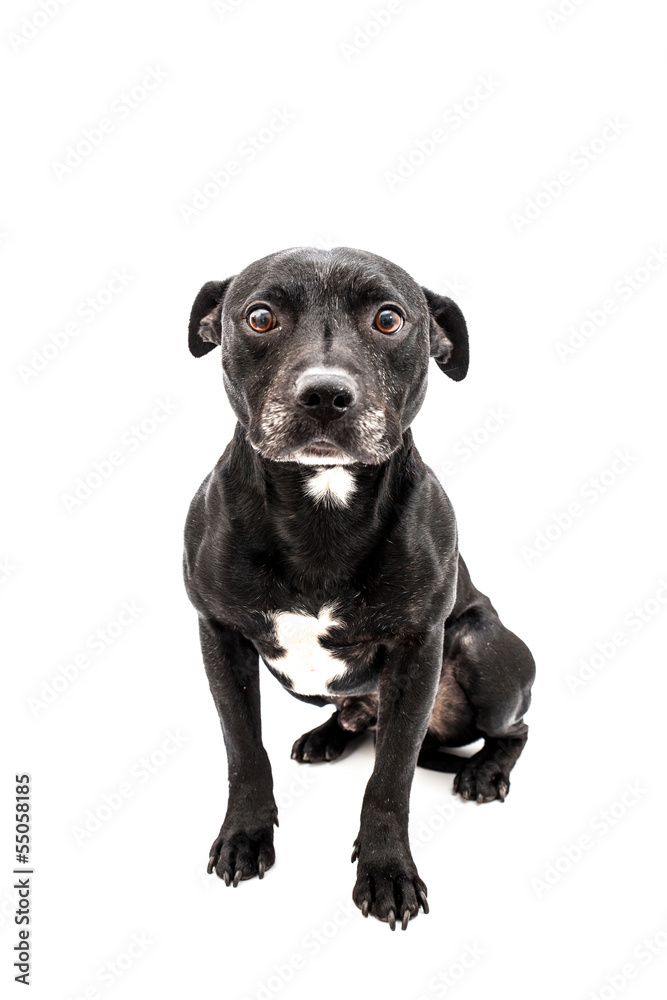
(244, 846)
(388, 885)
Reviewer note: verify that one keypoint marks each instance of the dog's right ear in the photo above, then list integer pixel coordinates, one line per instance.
(205, 328)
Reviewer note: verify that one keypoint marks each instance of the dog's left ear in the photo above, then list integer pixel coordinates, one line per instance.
(205, 328)
(449, 335)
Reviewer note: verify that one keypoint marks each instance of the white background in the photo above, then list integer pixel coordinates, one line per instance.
(522, 286)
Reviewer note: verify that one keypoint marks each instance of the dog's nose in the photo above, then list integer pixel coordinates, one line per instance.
(326, 396)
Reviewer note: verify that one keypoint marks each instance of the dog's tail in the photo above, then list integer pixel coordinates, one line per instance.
(435, 759)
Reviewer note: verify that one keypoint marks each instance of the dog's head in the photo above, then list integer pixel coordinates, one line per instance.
(325, 352)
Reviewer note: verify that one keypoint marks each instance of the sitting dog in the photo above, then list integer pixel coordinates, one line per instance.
(323, 544)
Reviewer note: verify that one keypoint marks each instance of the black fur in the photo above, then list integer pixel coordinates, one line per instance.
(427, 662)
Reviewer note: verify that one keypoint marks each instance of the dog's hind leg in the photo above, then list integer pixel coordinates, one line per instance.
(353, 717)
(486, 775)
(484, 692)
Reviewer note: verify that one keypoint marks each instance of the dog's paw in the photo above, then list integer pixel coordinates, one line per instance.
(237, 855)
(324, 743)
(482, 781)
(391, 891)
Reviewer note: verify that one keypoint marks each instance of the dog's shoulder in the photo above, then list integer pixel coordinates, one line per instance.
(226, 546)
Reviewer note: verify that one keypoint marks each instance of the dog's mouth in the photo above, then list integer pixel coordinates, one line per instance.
(319, 452)
(321, 448)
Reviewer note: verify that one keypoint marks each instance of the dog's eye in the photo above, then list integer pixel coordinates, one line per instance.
(388, 321)
(261, 320)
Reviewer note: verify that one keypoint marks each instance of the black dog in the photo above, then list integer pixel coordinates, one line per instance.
(323, 544)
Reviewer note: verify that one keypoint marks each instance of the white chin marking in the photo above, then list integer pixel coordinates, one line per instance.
(307, 664)
(333, 485)
(304, 458)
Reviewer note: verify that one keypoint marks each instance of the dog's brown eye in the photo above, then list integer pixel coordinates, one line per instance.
(388, 321)
(261, 320)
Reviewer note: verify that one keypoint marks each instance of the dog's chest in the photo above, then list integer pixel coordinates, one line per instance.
(306, 663)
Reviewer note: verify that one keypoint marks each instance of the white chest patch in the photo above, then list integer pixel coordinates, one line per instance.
(332, 485)
(307, 664)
